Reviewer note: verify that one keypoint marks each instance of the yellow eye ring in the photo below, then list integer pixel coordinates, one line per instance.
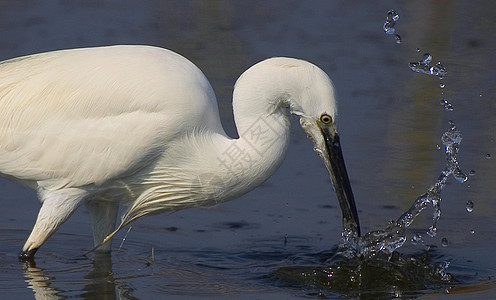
(326, 119)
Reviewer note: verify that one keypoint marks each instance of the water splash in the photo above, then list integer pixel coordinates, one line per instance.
(385, 276)
(394, 235)
(391, 19)
(441, 271)
(424, 66)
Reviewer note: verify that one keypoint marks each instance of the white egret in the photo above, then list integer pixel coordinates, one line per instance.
(139, 126)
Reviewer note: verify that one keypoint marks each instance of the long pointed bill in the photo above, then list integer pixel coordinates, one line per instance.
(337, 170)
(326, 144)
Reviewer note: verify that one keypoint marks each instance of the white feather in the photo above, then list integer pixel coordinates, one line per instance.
(140, 125)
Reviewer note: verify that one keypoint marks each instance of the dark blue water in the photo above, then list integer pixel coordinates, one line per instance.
(279, 240)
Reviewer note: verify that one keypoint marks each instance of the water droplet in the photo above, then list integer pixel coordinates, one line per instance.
(424, 67)
(439, 70)
(488, 156)
(442, 85)
(471, 173)
(391, 19)
(388, 28)
(447, 105)
(470, 206)
(459, 175)
(417, 238)
(441, 271)
(451, 137)
(396, 292)
(444, 242)
(392, 16)
(472, 231)
(427, 58)
(397, 37)
(432, 231)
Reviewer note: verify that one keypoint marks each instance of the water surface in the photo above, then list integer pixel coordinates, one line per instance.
(391, 120)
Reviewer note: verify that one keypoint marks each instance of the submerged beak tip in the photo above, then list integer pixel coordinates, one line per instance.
(339, 177)
(327, 145)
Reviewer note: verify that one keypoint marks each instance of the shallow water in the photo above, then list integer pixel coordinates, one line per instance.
(280, 241)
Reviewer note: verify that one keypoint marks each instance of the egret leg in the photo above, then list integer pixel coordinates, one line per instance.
(103, 215)
(56, 207)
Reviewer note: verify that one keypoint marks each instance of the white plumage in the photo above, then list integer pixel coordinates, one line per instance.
(139, 125)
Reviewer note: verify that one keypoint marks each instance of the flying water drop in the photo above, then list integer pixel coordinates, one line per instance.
(391, 19)
(447, 105)
(444, 242)
(388, 28)
(423, 66)
(470, 206)
(393, 15)
(427, 59)
(432, 231)
(416, 239)
(441, 271)
(397, 37)
(451, 140)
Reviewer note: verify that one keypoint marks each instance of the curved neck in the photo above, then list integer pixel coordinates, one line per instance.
(259, 150)
(207, 167)
(214, 167)
(260, 114)
(246, 162)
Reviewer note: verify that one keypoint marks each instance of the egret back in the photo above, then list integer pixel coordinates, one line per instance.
(86, 116)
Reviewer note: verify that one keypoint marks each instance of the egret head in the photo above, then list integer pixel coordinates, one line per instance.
(280, 82)
(316, 105)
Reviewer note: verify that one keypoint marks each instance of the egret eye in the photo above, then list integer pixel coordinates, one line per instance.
(326, 119)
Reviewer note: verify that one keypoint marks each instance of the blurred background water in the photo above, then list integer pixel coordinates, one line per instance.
(391, 121)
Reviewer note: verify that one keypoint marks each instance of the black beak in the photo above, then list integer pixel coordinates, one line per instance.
(340, 180)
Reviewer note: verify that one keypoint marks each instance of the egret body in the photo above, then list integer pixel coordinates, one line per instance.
(139, 126)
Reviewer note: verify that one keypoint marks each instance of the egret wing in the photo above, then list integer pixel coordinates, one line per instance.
(78, 117)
